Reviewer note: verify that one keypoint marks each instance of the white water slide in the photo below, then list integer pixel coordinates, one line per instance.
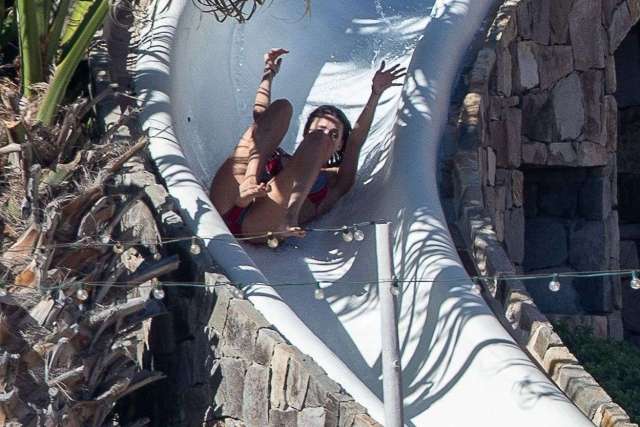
(198, 78)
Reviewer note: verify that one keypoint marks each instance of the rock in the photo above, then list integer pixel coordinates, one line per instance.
(364, 420)
(499, 142)
(288, 418)
(220, 309)
(534, 20)
(265, 344)
(561, 154)
(297, 384)
(320, 386)
(541, 336)
(610, 123)
(593, 89)
(528, 77)
(610, 78)
(634, 10)
(349, 410)
(591, 154)
(587, 38)
(546, 244)
(241, 329)
(504, 71)
(629, 259)
(595, 198)
(229, 386)
(554, 63)
(608, 6)
(568, 107)
(559, 21)
(517, 188)
(312, 417)
(255, 405)
(539, 120)
(513, 121)
(615, 331)
(279, 370)
(491, 167)
(587, 251)
(565, 301)
(482, 68)
(621, 23)
(534, 153)
(610, 414)
(514, 234)
(556, 357)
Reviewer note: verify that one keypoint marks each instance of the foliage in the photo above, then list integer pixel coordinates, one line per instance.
(615, 365)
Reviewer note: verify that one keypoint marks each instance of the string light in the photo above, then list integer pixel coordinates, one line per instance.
(157, 256)
(195, 247)
(554, 284)
(358, 235)
(118, 248)
(635, 282)
(272, 241)
(347, 234)
(476, 288)
(82, 294)
(318, 293)
(395, 288)
(158, 292)
(238, 292)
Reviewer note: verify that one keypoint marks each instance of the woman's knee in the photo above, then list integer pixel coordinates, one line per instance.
(281, 108)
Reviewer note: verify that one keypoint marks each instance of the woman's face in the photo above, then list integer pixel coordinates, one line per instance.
(331, 126)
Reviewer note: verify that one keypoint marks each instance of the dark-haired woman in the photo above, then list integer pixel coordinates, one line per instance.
(261, 188)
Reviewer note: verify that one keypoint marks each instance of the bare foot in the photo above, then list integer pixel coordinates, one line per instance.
(251, 190)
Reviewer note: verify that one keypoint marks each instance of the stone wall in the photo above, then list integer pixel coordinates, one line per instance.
(540, 97)
(230, 367)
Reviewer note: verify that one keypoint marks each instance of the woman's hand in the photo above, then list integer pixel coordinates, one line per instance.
(273, 60)
(250, 190)
(384, 79)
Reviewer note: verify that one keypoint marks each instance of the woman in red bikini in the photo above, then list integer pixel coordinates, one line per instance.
(261, 188)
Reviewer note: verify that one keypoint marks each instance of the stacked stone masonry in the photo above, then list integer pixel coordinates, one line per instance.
(261, 380)
(541, 102)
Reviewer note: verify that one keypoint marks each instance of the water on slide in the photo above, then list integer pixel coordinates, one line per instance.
(198, 79)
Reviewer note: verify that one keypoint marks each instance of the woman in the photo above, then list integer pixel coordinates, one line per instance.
(262, 189)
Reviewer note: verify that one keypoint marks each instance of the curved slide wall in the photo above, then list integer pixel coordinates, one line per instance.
(197, 79)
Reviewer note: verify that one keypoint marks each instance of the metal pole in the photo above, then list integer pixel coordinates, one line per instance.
(391, 369)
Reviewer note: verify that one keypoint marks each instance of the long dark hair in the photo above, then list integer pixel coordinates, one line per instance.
(334, 111)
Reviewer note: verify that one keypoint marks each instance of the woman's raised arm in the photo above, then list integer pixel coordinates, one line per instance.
(272, 62)
(382, 80)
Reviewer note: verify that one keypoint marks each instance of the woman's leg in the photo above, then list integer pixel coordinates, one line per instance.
(290, 188)
(244, 166)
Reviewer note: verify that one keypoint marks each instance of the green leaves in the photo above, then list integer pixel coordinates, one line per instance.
(85, 20)
(30, 53)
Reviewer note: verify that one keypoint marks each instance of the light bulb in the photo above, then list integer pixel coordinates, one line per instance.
(395, 289)
(358, 235)
(105, 238)
(158, 292)
(554, 284)
(157, 256)
(476, 288)
(238, 292)
(272, 241)
(195, 247)
(3, 291)
(635, 282)
(118, 248)
(347, 235)
(318, 293)
(82, 294)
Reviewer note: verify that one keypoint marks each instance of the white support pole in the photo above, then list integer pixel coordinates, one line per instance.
(391, 369)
